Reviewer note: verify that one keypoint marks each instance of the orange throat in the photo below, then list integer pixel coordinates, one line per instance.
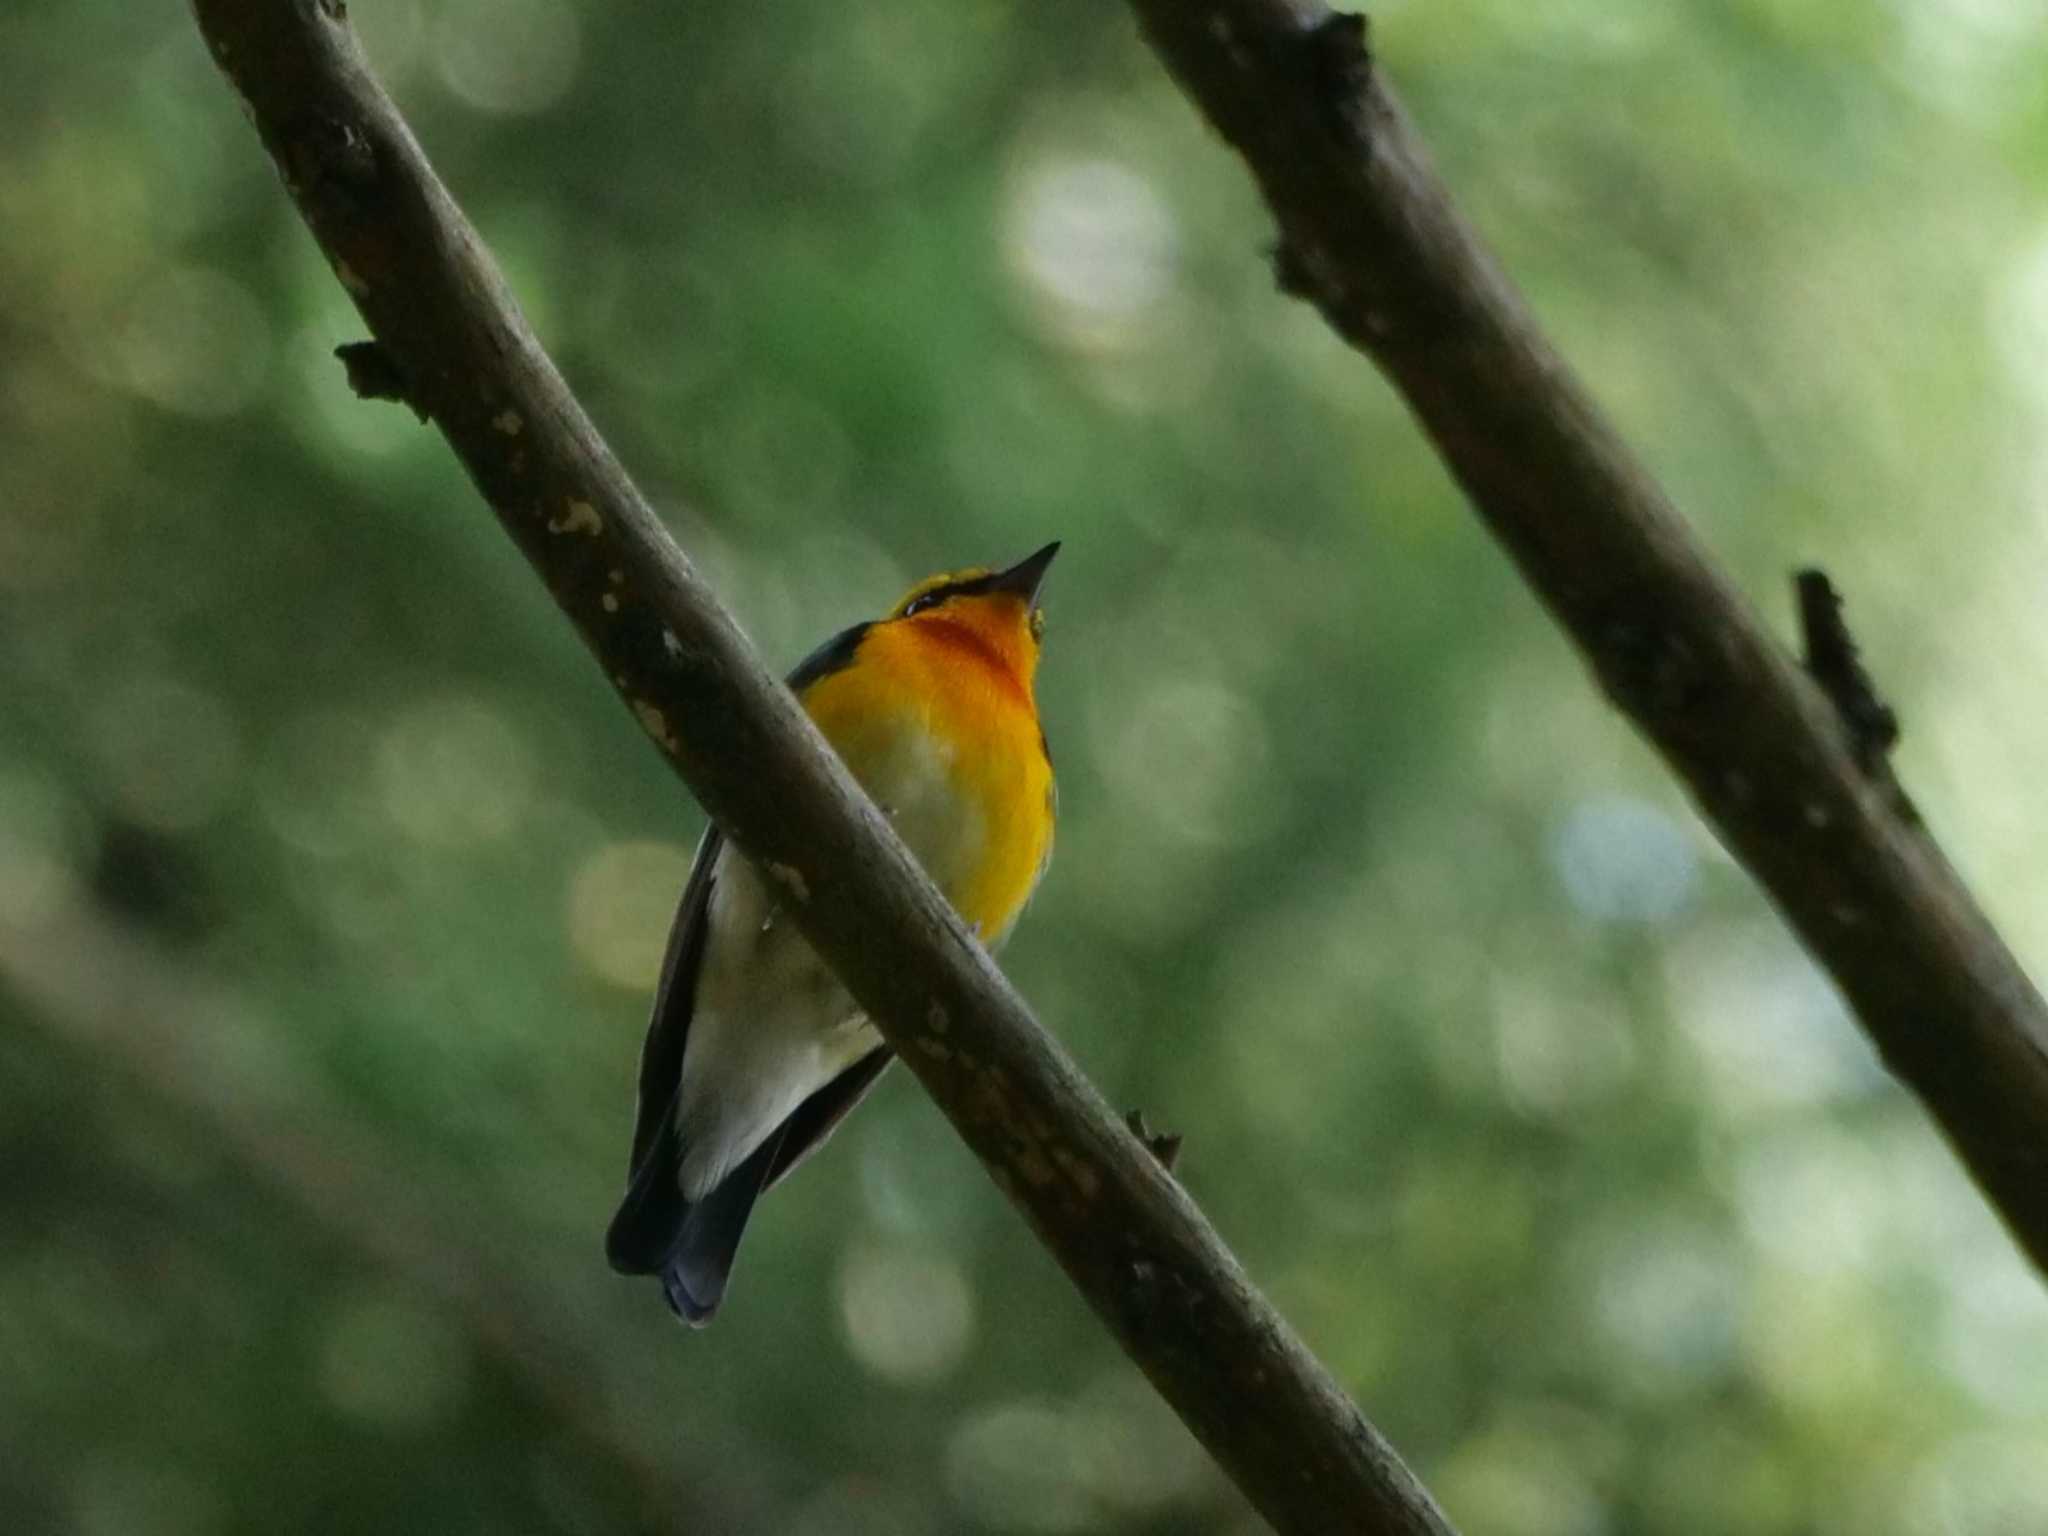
(998, 647)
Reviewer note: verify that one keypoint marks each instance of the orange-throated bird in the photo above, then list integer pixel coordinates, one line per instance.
(755, 1052)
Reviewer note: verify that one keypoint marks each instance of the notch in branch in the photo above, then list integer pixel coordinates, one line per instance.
(1835, 663)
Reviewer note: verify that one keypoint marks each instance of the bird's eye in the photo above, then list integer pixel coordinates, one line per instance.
(920, 604)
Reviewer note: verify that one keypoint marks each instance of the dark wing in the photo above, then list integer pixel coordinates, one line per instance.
(648, 1219)
(692, 1244)
(818, 1116)
(835, 655)
(675, 998)
(661, 1057)
(654, 1225)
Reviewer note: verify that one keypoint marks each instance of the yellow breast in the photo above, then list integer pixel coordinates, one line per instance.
(946, 740)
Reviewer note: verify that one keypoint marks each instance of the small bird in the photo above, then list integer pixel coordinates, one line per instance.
(755, 1052)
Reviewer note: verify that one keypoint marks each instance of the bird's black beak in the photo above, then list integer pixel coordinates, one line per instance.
(1027, 575)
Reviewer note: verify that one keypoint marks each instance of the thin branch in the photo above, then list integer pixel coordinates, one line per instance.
(1132, 1242)
(1370, 237)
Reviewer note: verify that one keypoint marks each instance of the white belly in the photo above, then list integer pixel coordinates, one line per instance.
(771, 1024)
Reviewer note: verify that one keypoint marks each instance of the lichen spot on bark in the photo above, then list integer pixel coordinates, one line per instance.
(791, 879)
(577, 517)
(509, 422)
(655, 723)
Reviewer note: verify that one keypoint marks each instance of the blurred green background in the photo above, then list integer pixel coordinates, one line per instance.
(332, 879)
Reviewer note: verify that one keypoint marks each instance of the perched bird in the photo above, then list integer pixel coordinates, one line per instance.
(755, 1052)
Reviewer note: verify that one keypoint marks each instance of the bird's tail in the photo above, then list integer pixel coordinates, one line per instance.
(689, 1243)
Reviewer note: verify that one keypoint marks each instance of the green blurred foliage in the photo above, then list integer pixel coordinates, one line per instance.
(332, 880)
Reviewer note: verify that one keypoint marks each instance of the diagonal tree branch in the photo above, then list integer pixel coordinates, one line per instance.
(455, 346)
(1790, 776)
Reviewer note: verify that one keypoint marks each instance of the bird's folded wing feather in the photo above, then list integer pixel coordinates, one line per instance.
(675, 997)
